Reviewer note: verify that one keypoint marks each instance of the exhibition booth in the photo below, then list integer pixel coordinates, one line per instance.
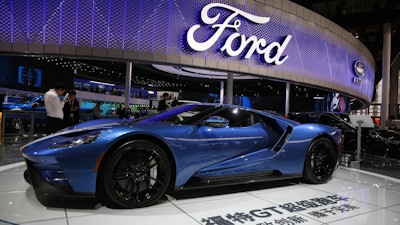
(229, 42)
(279, 40)
(195, 41)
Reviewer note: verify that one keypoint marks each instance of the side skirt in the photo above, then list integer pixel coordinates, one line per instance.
(247, 178)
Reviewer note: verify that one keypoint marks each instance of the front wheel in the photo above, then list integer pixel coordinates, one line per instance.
(136, 174)
(320, 161)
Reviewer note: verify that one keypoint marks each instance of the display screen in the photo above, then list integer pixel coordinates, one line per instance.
(336, 102)
(30, 77)
(32, 74)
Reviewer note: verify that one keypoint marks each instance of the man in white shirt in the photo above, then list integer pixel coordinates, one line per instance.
(54, 108)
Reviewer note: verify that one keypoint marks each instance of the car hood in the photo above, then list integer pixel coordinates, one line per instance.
(384, 133)
(85, 126)
(97, 124)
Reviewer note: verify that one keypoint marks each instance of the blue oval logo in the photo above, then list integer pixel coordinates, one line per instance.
(359, 68)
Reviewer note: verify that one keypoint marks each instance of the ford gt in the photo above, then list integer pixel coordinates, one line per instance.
(129, 164)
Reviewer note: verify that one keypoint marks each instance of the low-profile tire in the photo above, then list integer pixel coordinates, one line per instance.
(320, 161)
(135, 175)
(27, 177)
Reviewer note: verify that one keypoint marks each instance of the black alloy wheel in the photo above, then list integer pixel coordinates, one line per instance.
(320, 161)
(136, 174)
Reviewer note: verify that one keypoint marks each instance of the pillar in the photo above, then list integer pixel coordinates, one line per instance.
(394, 88)
(229, 89)
(221, 92)
(128, 79)
(387, 30)
(287, 99)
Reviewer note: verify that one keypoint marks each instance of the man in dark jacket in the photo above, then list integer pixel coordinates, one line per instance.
(71, 110)
(162, 104)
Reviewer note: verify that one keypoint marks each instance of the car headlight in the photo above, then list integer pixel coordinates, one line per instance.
(82, 139)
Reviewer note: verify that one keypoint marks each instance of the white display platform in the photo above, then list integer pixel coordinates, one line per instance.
(351, 197)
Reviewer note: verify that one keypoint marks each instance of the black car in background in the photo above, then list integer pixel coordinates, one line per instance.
(374, 141)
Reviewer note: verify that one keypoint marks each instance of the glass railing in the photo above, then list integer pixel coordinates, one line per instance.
(26, 125)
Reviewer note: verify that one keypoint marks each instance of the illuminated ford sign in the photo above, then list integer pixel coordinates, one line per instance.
(359, 68)
(270, 53)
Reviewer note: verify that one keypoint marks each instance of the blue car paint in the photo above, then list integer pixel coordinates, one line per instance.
(28, 105)
(198, 151)
(293, 153)
(208, 146)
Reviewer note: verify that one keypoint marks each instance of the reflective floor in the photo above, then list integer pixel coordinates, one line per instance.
(351, 197)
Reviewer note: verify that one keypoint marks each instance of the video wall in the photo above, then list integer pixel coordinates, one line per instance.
(336, 102)
(82, 84)
(31, 74)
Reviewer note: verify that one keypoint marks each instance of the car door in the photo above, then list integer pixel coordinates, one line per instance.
(209, 144)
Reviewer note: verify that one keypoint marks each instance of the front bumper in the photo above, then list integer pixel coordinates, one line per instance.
(57, 195)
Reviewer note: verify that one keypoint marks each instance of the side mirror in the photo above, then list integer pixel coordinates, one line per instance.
(216, 122)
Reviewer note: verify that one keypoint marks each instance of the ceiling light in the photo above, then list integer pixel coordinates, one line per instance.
(101, 83)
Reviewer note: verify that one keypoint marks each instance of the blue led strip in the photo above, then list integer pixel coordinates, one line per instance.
(298, 51)
(140, 25)
(76, 21)
(108, 24)
(92, 29)
(11, 22)
(124, 26)
(44, 23)
(60, 23)
(28, 38)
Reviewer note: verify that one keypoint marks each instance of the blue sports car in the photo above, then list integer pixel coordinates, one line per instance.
(27, 104)
(128, 164)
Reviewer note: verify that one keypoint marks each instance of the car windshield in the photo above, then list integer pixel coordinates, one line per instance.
(344, 118)
(176, 115)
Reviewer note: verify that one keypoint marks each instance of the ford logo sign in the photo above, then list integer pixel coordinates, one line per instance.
(359, 68)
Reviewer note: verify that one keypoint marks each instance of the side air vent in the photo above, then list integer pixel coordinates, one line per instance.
(283, 139)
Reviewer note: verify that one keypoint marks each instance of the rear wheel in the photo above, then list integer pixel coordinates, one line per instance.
(320, 161)
(135, 175)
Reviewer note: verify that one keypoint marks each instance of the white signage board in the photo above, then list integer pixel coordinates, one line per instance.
(365, 119)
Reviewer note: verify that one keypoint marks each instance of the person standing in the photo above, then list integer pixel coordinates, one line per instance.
(121, 111)
(54, 108)
(96, 111)
(390, 123)
(162, 105)
(71, 110)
